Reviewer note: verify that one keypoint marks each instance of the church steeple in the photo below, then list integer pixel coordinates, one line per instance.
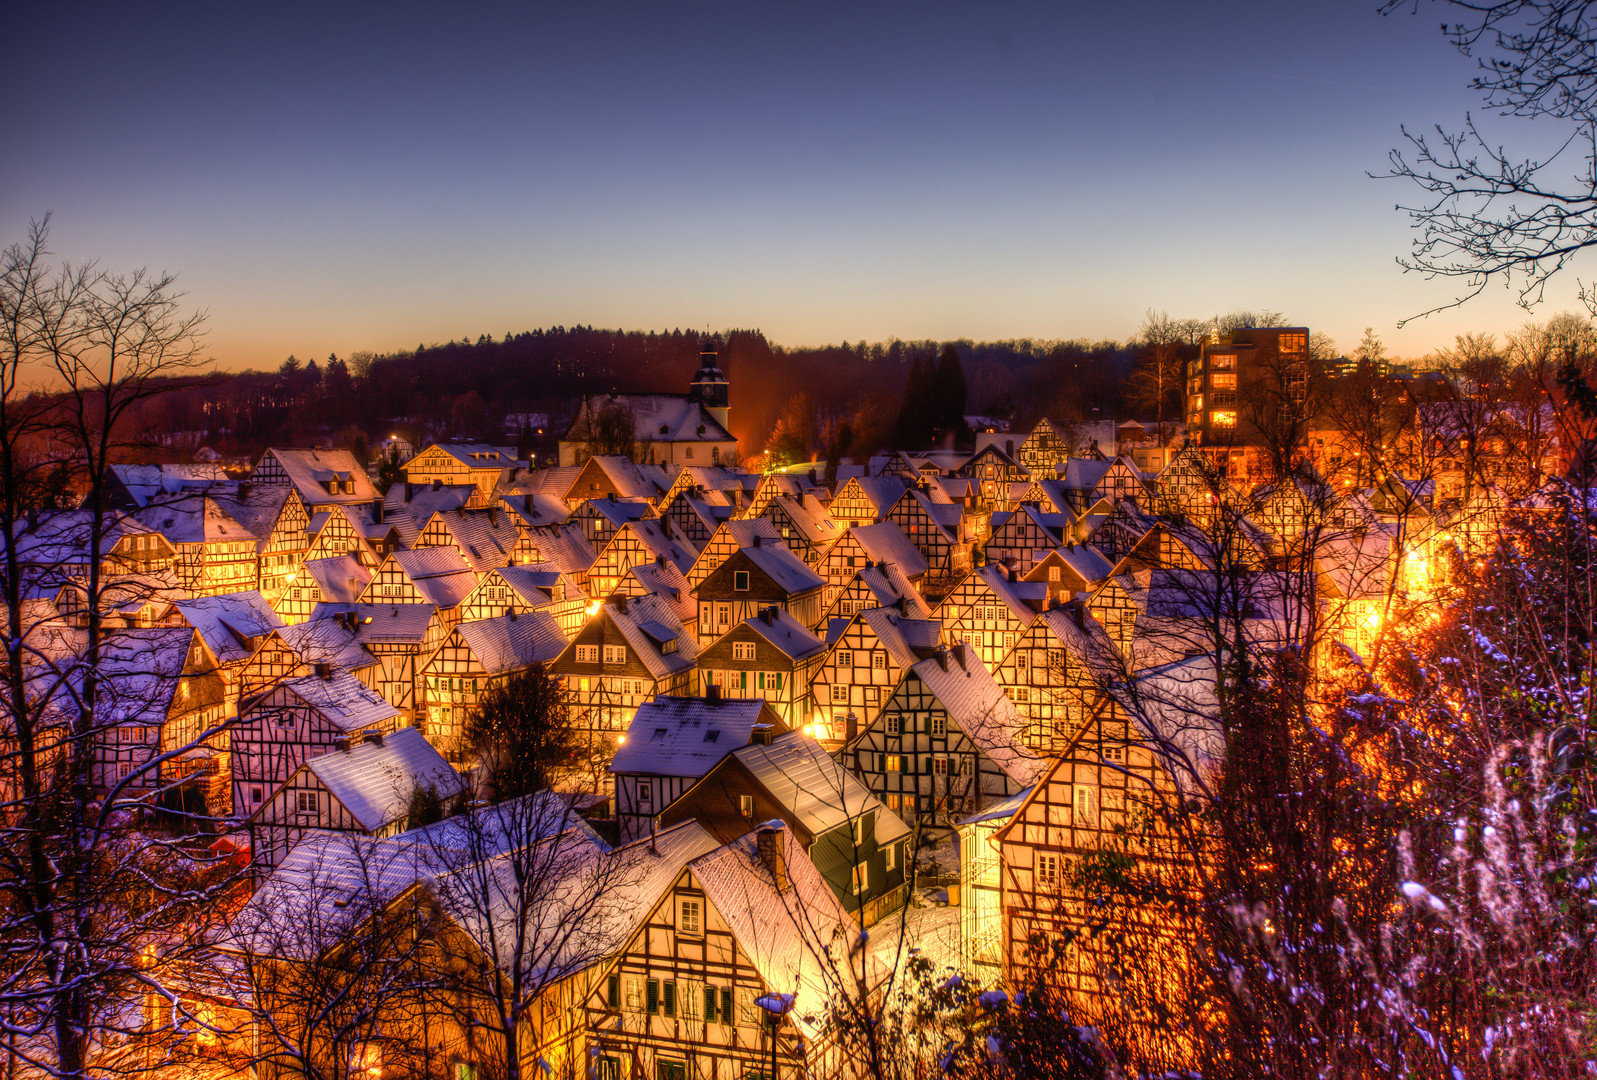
(710, 386)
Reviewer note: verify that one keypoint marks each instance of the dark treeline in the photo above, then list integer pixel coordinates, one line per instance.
(465, 388)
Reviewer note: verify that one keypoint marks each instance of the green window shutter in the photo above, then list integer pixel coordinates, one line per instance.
(670, 998)
(612, 993)
(709, 1004)
(726, 1006)
(926, 723)
(928, 766)
(654, 996)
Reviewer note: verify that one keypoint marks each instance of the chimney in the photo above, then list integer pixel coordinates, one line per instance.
(659, 560)
(799, 498)
(374, 738)
(243, 489)
(813, 478)
(377, 512)
(410, 489)
(757, 539)
(1011, 570)
(850, 726)
(768, 842)
(768, 616)
(510, 613)
(959, 654)
(621, 604)
(712, 695)
(341, 745)
(324, 671)
(437, 484)
(942, 658)
(526, 502)
(760, 735)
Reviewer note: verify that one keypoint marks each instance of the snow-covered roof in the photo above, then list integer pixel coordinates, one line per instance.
(1178, 713)
(647, 623)
(383, 624)
(657, 418)
(1023, 598)
(888, 585)
(907, 640)
(324, 641)
(231, 625)
(487, 537)
(158, 483)
(786, 633)
(440, 574)
(821, 794)
(309, 471)
(681, 736)
(886, 542)
(377, 779)
(565, 546)
(345, 701)
(786, 570)
(513, 642)
(340, 579)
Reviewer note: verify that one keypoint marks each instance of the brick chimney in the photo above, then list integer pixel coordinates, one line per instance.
(712, 695)
(768, 842)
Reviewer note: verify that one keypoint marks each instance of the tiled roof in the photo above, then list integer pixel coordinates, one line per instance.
(785, 632)
(341, 579)
(309, 470)
(227, 624)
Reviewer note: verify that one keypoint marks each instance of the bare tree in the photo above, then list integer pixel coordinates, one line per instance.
(1486, 213)
(1159, 374)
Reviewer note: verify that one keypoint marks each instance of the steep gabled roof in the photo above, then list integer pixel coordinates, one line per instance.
(797, 937)
(681, 736)
(376, 780)
(886, 542)
(340, 579)
(907, 640)
(310, 470)
(346, 702)
(231, 625)
(791, 637)
(513, 642)
(804, 778)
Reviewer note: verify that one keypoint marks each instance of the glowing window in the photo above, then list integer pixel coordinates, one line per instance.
(1224, 418)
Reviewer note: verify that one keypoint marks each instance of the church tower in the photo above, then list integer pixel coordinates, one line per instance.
(710, 387)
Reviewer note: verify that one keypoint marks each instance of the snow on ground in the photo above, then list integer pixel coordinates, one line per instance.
(932, 928)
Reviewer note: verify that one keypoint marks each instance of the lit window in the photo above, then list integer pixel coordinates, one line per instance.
(895, 763)
(1224, 418)
(746, 806)
(644, 791)
(861, 879)
(1224, 382)
(689, 916)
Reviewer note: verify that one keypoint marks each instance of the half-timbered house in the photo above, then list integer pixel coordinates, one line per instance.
(771, 656)
(486, 537)
(1022, 535)
(1067, 572)
(731, 536)
(431, 575)
(936, 528)
(400, 637)
(629, 652)
(947, 743)
(866, 545)
(323, 479)
(337, 580)
(534, 587)
(601, 519)
(296, 719)
(636, 543)
(865, 500)
(1135, 759)
(695, 514)
(364, 786)
(462, 463)
(764, 573)
(865, 660)
(1044, 448)
(232, 627)
(1055, 674)
(877, 586)
(752, 921)
(988, 612)
(475, 657)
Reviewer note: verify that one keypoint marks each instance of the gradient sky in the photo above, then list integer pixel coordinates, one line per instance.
(329, 178)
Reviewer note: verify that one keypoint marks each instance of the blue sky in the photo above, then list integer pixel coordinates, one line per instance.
(373, 177)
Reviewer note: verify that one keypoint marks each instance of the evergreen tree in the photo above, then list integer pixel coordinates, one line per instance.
(951, 394)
